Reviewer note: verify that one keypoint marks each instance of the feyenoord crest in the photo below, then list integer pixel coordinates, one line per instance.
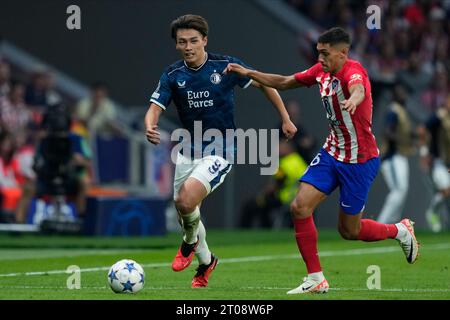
(215, 78)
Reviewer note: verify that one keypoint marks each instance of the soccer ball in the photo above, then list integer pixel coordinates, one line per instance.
(126, 276)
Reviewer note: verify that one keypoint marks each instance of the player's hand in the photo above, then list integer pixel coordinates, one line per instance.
(348, 105)
(153, 135)
(289, 129)
(237, 68)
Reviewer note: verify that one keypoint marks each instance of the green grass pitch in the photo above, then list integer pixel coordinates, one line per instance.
(252, 265)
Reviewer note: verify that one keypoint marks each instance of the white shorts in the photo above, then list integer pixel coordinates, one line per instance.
(440, 175)
(210, 171)
(395, 171)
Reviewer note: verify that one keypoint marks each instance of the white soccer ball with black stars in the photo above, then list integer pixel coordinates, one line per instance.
(126, 276)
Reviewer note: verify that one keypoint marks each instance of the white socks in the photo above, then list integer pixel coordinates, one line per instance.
(402, 231)
(193, 227)
(190, 226)
(203, 254)
(316, 276)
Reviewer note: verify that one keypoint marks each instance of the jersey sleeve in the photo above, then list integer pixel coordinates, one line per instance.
(162, 96)
(308, 76)
(243, 82)
(355, 76)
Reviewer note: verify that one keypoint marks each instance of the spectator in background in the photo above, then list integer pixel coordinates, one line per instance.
(40, 94)
(435, 159)
(441, 59)
(436, 95)
(10, 178)
(403, 45)
(397, 146)
(62, 160)
(433, 33)
(97, 112)
(279, 192)
(305, 143)
(59, 156)
(414, 14)
(4, 78)
(411, 47)
(318, 12)
(414, 78)
(15, 116)
(383, 66)
(24, 157)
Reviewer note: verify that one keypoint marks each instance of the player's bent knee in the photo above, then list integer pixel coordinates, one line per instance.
(184, 205)
(300, 211)
(348, 234)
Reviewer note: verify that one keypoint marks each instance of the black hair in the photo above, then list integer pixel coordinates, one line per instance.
(189, 21)
(334, 36)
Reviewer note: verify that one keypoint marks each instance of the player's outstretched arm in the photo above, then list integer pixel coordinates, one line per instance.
(271, 80)
(151, 124)
(357, 94)
(273, 96)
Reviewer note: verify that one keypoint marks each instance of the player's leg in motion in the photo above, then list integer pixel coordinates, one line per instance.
(441, 181)
(356, 180)
(187, 201)
(206, 260)
(395, 171)
(193, 182)
(352, 227)
(302, 208)
(194, 239)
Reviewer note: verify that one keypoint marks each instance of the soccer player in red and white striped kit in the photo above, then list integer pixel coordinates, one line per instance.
(349, 159)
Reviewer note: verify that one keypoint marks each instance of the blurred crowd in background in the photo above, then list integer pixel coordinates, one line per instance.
(411, 48)
(408, 62)
(45, 137)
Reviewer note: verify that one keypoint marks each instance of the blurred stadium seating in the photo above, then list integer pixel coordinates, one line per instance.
(411, 47)
(138, 169)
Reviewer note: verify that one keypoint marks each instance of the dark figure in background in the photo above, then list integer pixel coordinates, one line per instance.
(305, 144)
(62, 159)
(270, 208)
(434, 141)
(396, 148)
(40, 93)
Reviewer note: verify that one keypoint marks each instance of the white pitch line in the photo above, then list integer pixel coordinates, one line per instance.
(358, 289)
(241, 288)
(333, 253)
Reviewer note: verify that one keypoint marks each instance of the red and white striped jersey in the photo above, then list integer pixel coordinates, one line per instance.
(351, 139)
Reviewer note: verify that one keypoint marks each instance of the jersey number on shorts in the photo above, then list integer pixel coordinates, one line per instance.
(316, 160)
(215, 167)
